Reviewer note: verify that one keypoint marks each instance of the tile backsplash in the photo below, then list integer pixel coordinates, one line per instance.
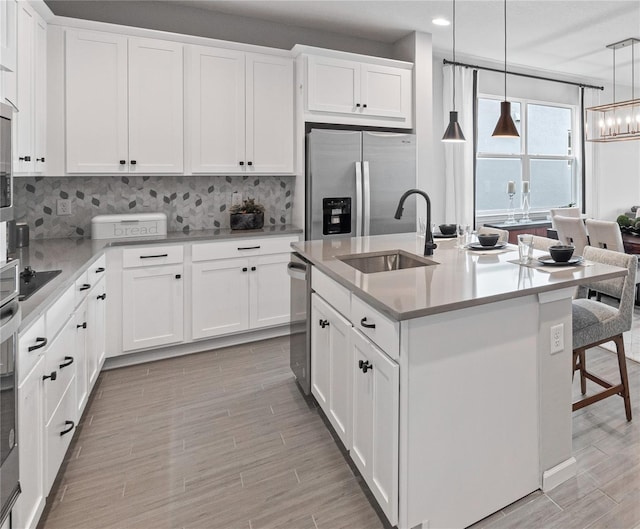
(190, 202)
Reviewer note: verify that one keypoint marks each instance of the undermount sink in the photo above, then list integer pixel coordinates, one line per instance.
(370, 263)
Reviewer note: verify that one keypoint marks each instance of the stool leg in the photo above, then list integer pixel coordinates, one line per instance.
(583, 379)
(622, 363)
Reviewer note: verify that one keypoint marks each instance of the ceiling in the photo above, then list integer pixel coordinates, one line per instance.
(559, 36)
(565, 37)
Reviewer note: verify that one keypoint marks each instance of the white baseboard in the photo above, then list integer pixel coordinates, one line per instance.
(559, 474)
(140, 357)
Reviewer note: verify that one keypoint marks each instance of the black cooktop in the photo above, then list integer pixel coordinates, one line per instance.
(31, 281)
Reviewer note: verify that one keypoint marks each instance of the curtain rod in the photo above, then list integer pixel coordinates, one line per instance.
(530, 76)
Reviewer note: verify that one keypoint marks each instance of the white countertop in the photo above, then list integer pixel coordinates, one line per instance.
(462, 278)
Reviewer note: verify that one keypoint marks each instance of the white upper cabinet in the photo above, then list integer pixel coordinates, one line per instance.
(8, 39)
(239, 111)
(355, 89)
(124, 104)
(31, 72)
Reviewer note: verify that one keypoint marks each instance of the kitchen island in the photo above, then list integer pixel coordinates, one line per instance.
(442, 380)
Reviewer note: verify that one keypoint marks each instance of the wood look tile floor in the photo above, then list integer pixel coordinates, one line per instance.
(224, 439)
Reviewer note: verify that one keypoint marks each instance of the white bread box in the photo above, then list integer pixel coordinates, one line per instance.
(128, 225)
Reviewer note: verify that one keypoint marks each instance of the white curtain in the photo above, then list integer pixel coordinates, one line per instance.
(458, 157)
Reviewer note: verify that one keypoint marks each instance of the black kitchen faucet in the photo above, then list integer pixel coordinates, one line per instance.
(429, 245)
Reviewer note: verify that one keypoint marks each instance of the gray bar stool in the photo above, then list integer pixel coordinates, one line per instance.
(595, 323)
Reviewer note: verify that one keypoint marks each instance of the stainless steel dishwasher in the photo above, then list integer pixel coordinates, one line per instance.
(300, 334)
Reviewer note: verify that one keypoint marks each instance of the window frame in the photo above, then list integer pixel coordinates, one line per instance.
(484, 216)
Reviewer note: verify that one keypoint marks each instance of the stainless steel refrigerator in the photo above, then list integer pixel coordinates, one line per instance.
(354, 181)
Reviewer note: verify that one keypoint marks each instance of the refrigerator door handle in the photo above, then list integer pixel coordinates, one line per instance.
(358, 199)
(366, 199)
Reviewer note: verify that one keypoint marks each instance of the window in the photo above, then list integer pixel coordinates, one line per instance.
(543, 156)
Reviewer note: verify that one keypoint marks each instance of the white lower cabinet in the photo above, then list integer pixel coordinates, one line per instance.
(152, 306)
(30, 503)
(376, 401)
(97, 331)
(331, 366)
(269, 290)
(58, 434)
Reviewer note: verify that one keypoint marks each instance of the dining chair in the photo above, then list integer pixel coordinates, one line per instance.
(504, 234)
(543, 243)
(606, 234)
(571, 230)
(564, 212)
(595, 323)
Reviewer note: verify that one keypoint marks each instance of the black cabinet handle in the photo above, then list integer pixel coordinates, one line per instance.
(133, 162)
(52, 376)
(366, 325)
(82, 325)
(245, 269)
(178, 276)
(249, 248)
(40, 159)
(71, 426)
(123, 162)
(365, 366)
(253, 268)
(85, 286)
(357, 105)
(364, 106)
(25, 158)
(104, 295)
(98, 270)
(241, 163)
(40, 343)
(68, 360)
(154, 256)
(249, 163)
(324, 323)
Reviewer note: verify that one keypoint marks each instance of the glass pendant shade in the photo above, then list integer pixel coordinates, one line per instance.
(505, 128)
(453, 134)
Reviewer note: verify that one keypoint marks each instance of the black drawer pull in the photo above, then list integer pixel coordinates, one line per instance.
(68, 361)
(366, 325)
(40, 159)
(364, 106)
(253, 268)
(249, 163)
(98, 270)
(241, 163)
(123, 162)
(244, 269)
(71, 426)
(40, 343)
(154, 256)
(133, 162)
(249, 248)
(178, 276)
(324, 323)
(52, 376)
(357, 105)
(25, 158)
(365, 366)
(102, 296)
(86, 286)
(82, 325)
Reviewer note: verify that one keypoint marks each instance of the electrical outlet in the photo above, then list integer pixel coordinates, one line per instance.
(557, 338)
(236, 198)
(63, 206)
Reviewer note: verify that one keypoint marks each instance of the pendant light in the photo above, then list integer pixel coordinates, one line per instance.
(454, 134)
(505, 128)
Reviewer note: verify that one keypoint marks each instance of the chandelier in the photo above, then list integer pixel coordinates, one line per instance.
(616, 121)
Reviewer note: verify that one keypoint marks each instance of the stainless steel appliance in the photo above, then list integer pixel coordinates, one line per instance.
(354, 181)
(300, 333)
(6, 175)
(9, 324)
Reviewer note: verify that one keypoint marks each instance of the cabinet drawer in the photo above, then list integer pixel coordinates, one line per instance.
(209, 251)
(59, 362)
(60, 312)
(383, 331)
(58, 434)
(36, 337)
(333, 293)
(152, 255)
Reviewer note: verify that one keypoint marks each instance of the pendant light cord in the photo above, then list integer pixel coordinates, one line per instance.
(454, 55)
(505, 50)
(614, 75)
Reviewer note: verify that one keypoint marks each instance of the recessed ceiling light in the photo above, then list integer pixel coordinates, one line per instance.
(441, 22)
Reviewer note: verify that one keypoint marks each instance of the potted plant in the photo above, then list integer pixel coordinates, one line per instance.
(247, 216)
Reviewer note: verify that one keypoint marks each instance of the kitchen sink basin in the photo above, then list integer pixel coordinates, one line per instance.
(370, 263)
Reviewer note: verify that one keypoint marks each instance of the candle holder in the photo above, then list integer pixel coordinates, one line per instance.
(511, 219)
(525, 208)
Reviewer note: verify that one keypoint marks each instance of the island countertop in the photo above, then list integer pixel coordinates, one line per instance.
(460, 279)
